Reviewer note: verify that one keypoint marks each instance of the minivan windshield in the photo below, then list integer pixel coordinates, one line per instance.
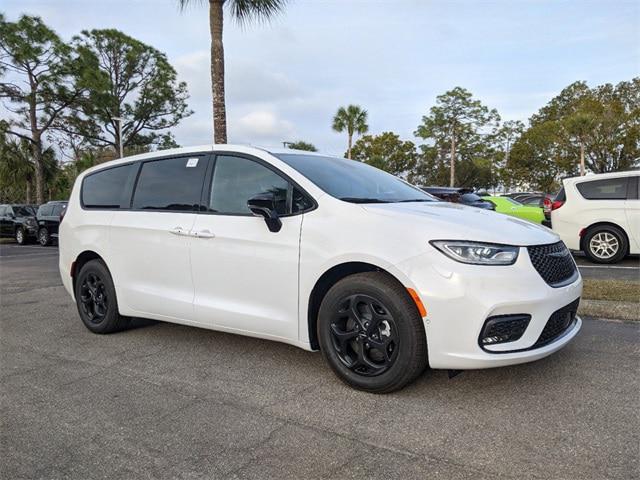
(354, 181)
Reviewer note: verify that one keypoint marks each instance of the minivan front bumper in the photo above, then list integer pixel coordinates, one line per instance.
(460, 298)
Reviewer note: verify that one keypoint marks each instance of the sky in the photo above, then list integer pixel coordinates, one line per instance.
(286, 79)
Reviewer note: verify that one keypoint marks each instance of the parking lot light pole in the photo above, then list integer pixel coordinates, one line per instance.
(119, 120)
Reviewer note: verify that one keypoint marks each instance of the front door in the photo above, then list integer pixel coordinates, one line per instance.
(245, 276)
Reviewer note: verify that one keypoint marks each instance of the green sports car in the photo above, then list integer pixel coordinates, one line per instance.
(509, 206)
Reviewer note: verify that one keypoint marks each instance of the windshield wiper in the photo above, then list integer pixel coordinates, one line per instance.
(363, 200)
(416, 200)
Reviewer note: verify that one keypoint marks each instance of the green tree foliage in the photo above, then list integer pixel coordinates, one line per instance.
(301, 145)
(503, 139)
(17, 170)
(536, 162)
(353, 120)
(387, 152)
(243, 11)
(454, 127)
(598, 127)
(37, 68)
(125, 78)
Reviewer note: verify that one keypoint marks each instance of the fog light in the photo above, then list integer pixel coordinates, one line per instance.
(504, 328)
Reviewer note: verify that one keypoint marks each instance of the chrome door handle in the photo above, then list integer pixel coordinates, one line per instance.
(204, 234)
(178, 231)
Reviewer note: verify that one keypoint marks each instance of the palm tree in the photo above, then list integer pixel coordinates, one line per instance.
(243, 11)
(353, 119)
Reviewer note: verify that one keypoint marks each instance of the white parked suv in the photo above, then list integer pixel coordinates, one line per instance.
(600, 215)
(318, 252)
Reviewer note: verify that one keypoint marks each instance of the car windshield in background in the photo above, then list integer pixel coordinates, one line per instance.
(354, 181)
(24, 211)
(511, 200)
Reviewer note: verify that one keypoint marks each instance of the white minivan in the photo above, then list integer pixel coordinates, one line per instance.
(318, 252)
(600, 215)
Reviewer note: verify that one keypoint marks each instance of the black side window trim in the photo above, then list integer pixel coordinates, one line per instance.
(633, 188)
(204, 203)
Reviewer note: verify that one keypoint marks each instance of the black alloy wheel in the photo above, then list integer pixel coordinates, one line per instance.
(364, 335)
(96, 299)
(371, 333)
(93, 298)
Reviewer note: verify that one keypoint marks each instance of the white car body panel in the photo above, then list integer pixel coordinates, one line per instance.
(578, 213)
(245, 279)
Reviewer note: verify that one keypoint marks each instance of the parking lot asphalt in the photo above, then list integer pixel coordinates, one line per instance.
(628, 269)
(168, 401)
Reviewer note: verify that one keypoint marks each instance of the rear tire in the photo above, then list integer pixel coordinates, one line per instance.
(21, 236)
(43, 237)
(605, 244)
(371, 334)
(96, 299)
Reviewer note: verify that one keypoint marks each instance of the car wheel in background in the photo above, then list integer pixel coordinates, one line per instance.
(21, 236)
(371, 334)
(605, 244)
(43, 237)
(96, 299)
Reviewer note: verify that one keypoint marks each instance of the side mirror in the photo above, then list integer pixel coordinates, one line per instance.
(263, 205)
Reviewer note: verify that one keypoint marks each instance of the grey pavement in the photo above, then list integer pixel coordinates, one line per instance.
(627, 269)
(168, 401)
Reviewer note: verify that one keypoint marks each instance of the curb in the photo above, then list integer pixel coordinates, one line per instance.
(610, 309)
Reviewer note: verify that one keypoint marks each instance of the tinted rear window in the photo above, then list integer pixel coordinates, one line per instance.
(45, 210)
(57, 209)
(108, 188)
(170, 184)
(608, 189)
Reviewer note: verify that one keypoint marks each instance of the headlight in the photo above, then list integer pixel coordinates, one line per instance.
(477, 253)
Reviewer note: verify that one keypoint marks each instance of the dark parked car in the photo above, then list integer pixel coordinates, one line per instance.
(19, 222)
(459, 195)
(49, 220)
(535, 199)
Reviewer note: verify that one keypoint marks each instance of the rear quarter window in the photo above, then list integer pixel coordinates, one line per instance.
(606, 189)
(109, 188)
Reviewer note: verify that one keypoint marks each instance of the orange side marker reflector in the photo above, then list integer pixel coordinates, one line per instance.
(418, 302)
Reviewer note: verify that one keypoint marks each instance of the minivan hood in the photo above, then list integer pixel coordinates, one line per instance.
(453, 221)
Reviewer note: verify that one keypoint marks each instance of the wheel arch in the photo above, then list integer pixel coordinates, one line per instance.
(81, 260)
(326, 281)
(604, 224)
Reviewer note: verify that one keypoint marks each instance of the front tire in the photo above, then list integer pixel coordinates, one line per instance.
(96, 299)
(371, 334)
(605, 244)
(43, 237)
